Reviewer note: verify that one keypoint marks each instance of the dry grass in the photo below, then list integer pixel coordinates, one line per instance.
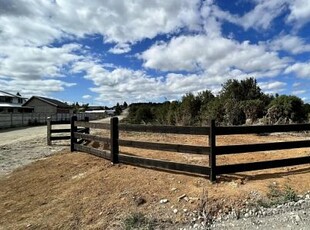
(72, 191)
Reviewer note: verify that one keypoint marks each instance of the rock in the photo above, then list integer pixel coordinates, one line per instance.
(181, 197)
(173, 189)
(175, 211)
(163, 201)
(297, 218)
(139, 200)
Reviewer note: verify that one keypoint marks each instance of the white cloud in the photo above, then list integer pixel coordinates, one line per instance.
(125, 21)
(37, 87)
(215, 55)
(120, 48)
(262, 15)
(290, 43)
(302, 70)
(298, 92)
(86, 96)
(36, 62)
(300, 12)
(272, 86)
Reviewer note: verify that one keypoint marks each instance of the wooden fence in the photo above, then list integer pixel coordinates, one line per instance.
(51, 131)
(212, 150)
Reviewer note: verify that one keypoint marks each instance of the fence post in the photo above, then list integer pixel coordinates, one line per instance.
(49, 127)
(114, 140)
(212, 155)
(73, 130)
(87, 129)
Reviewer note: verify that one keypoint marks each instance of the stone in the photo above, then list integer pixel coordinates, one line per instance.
(139, 200)
(163, 201)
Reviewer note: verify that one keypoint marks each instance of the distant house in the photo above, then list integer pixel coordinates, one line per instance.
(10, 103)
(100, 109)
(47, 105)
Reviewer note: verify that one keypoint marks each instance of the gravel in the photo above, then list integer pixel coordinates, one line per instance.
(290, 215)
(21, 146)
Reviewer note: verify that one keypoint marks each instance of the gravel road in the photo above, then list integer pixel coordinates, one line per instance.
(21, 146)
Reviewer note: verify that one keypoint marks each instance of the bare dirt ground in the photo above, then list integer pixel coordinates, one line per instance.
(78, 191)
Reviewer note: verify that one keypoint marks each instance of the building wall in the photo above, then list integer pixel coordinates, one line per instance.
(10, 120)
(42, 107)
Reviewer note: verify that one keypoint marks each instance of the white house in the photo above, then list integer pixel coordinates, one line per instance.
(10, 103)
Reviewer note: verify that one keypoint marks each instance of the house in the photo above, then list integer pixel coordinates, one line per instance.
(10, 103)
(47, 105)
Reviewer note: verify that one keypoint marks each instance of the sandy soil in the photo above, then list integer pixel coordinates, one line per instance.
(79, 191)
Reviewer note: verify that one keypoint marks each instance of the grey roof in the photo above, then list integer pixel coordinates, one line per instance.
(6, 94)
(50, 101)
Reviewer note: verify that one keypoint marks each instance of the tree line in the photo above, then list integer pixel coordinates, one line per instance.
(237, 103)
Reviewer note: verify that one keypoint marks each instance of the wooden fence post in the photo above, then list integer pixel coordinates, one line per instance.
(73, 130)
(49, 127)
(87, 129)
(114, 140)
(212, 155)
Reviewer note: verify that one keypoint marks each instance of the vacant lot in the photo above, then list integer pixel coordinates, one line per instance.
(77, 190)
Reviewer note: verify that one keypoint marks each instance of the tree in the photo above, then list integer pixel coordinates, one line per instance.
(252, 109)
(242, 99)
(284, 108)
(118, 109)
(244, 90)
(189, 109)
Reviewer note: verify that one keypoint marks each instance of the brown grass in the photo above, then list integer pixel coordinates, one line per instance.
(77, 190)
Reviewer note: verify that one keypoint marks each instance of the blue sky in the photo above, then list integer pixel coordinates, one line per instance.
(107, 51)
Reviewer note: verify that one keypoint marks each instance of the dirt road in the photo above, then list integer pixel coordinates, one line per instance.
(21, 146)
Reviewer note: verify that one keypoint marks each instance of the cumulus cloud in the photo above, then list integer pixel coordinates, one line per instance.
(212, 54)
(299, 12)
(36, 62)
(302, 70)
(290, 43)
(120, 49)
(37, 87)
(272, 86)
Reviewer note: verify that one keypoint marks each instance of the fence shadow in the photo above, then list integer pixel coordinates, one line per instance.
(264, 176)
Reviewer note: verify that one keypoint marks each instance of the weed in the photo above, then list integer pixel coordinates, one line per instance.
(276, 196)
(289, 194)
(138, 221)
(206, 211)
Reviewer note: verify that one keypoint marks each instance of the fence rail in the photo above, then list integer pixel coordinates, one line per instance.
(51, 131)
(213, 169)
(165, 129)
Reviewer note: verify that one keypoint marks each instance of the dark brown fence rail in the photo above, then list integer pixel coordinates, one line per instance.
(51, 131)
(115, 142)
(212, 150)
